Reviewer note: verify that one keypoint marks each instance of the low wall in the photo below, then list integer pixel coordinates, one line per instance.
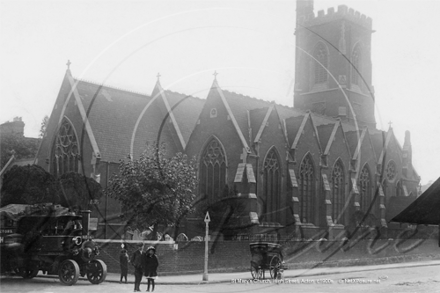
(229, 256)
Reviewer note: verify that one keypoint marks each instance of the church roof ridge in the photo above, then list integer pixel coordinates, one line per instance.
(110, 87)
(182, 94)
(269, 102)
(245, 96)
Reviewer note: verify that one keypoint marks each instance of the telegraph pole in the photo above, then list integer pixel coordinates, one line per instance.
(205, 271)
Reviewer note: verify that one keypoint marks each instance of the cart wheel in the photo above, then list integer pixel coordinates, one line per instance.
(68, 272)
(96, 271)
(275, 266)
(28, 273)
(257, 273)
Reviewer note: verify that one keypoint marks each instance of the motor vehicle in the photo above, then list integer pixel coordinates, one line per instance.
(51, 239)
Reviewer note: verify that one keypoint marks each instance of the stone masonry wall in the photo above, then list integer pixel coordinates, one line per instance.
(229, 256)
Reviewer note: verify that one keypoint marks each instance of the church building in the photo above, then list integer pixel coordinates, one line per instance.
(319, 167)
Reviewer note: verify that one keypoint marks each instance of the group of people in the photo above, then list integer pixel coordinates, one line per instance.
(145, 263)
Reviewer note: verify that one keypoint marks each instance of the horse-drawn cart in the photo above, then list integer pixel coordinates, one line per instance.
(266, 256)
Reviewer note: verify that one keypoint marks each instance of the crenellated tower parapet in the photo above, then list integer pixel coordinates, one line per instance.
(342, 12)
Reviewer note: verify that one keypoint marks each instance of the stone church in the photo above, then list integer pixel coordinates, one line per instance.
(319, 167)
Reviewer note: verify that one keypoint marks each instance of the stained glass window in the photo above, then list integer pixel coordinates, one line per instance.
(365, 189)
(338, 192)
(212, 171)
(66, 151)
(272, 182)
(321, 63)
(307, 189)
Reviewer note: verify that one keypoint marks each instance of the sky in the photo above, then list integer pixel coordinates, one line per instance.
(250, 44)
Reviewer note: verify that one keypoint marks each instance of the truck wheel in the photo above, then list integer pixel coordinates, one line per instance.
(68, 272)
(28, 273)
(96, 271)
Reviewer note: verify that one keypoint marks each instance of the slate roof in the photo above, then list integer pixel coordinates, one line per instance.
(257, 118)
(293, 124)
(324, 133)
(114, 113)
(112, 117)
(353, 138)
(186, 113)
(240, 104)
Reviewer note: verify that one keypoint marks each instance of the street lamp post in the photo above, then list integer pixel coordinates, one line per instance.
(205, 271)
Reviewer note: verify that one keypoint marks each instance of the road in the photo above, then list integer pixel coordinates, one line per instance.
(409, 279)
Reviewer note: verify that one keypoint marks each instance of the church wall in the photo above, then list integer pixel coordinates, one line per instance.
(273, 136)
(366, 158)
(85, 147)
(339, 150)
(107, 208)
(309, 144)
(43, 156)
(223, 129)
(362, 36)
(220, 127)
(392, 156)
(339, 33)
(326, 34)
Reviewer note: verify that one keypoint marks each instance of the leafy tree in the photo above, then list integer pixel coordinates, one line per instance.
(77, 190)
(28, 185)
(31, 184)
(44, 123)
(155, 190)
(22, 147)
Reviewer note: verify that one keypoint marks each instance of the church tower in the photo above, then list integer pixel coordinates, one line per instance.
(333, 63)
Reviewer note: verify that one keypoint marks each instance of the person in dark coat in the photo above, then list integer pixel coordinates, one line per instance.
(137, 261)
(150, 267)
(123, 263)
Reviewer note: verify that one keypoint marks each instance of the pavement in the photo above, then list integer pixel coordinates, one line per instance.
(194, 279)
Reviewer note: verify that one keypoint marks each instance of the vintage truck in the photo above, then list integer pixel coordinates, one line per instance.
(51, 239)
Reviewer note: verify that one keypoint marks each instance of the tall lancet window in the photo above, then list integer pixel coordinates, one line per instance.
(320, 55)
(356, 65)
(66, 151)
(212, 174)
(365, 189)
(338, 193)
(272, 184)
(307, 189)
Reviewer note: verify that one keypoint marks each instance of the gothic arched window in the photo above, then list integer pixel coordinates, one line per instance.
(338, 192)
(320, 55)
(272, 183)
(307, 189)
(66, 151)
(391, 170)
(365, 189)
(356, 63)
(212, 171)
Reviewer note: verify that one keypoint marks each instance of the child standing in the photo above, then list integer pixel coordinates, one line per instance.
(123, 262)
(150, 267)
(137, 260)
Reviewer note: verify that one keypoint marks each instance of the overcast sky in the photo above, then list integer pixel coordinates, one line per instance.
(249, 43)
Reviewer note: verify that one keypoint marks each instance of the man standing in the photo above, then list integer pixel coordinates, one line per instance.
(136, 261)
